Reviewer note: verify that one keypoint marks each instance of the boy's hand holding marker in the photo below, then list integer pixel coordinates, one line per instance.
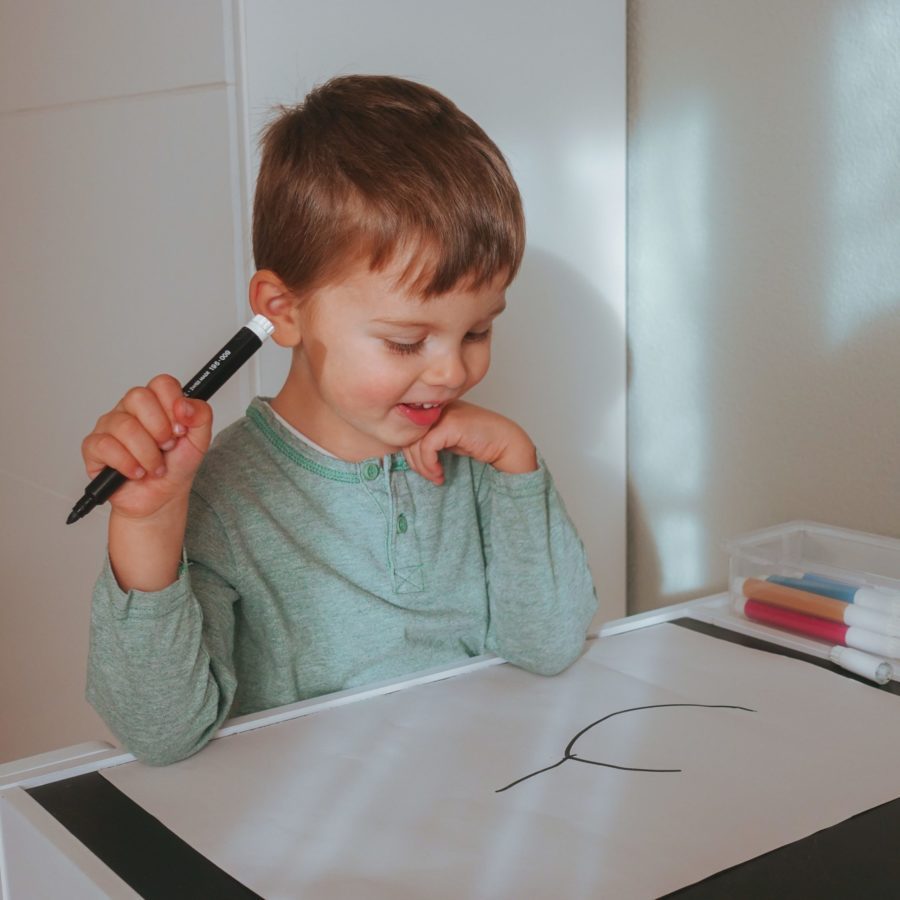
(156, 437)
(145, 453)
(149, 421)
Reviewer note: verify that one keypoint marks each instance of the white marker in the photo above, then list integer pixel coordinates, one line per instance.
(860, 663)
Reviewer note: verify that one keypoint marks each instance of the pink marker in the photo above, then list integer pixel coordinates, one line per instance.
(823, 629)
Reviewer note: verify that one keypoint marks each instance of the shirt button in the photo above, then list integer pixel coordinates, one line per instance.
(402, 524)
(371, 471)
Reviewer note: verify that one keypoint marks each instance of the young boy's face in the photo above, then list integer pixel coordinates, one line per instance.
(375, 365)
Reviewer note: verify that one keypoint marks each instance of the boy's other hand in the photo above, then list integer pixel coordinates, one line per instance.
(470, 430)
(156, 438)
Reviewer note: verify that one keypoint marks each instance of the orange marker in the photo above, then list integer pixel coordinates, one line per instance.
(816, 605)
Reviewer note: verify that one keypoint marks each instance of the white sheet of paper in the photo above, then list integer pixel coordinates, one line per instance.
(396, 796)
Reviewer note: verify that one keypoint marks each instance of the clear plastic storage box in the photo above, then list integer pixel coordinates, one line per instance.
(836, 592)
(797, 549)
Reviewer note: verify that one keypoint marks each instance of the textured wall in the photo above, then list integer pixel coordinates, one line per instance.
(764, 278)
(119, 221)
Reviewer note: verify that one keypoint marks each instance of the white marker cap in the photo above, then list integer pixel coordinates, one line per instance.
(260, 326)
(877, 598)
(872, 642)
(871, 667)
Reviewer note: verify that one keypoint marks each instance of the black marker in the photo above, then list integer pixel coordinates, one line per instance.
(201, 387)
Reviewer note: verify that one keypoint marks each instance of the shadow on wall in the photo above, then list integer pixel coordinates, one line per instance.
(763, 310)
(810, 431)
(806, 397)
(557, 370)
(838, 426)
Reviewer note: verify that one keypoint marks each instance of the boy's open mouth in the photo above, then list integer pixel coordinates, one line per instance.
(421, 413)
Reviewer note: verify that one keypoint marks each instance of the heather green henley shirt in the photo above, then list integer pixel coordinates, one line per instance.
(307, 574)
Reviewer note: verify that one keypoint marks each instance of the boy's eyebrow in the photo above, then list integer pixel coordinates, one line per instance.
(413, 323)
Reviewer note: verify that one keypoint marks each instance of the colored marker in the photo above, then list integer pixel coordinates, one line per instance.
(860, 663)
(843, 592)
(823, 629)
(813, 604)
(202, 386)
(881, 599)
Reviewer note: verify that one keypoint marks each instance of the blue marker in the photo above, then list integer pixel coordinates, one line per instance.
(879, 599)
(829, 582)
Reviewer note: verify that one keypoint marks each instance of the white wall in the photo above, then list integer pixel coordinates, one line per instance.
(118, 230)
(547, 82)
(764, 277)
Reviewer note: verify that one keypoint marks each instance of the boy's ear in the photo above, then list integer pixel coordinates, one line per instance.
(270, 297)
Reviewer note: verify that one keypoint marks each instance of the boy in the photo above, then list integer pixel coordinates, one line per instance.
(364, 523)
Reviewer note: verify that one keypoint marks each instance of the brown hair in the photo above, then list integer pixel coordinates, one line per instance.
(376, 166)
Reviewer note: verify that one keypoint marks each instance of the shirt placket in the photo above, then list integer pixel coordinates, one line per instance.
(405, 558)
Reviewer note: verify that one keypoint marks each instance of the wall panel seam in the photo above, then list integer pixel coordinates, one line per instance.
(116, 98)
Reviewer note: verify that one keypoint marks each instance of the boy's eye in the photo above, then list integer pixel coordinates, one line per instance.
(404, 349)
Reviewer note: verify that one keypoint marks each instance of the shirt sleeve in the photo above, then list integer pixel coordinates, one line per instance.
(540, 593)
(160, 664)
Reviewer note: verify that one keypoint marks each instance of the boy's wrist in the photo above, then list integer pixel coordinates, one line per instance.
(173, 510)
(145, 553)
(518, 457)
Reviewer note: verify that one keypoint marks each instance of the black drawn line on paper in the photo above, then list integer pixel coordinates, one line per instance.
(569, 755)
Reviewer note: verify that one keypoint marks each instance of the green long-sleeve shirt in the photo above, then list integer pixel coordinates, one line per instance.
(308, 574)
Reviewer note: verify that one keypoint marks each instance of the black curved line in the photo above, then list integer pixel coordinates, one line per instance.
(594, 762)
(579, 759)
(526, 777)
(569, 755)
(652, 706)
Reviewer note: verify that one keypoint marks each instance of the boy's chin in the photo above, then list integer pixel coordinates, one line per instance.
(396, 434)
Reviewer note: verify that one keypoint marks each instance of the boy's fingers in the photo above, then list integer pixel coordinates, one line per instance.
(151, 411)
(193, 413)
(436, 440)
(167, 390)
(436, 470)
(130, 433)
(430, 456)
(417, 457)
(165, 387)
(100, 450)
(413, 454)
(196, 417)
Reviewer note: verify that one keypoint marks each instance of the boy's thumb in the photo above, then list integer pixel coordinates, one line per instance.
(196, 416)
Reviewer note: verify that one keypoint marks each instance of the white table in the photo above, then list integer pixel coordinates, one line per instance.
(43, 858)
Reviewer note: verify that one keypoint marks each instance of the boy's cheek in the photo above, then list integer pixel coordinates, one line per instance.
(477, 373)
(373, 391)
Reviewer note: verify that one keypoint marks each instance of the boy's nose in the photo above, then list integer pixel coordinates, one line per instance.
(446, 370)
